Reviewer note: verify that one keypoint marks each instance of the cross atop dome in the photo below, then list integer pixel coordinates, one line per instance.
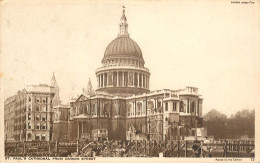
(123, 9)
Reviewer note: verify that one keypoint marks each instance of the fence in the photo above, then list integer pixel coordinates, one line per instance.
(141, 148)
(41, 148)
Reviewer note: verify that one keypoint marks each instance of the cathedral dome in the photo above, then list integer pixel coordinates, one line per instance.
(123, 46)
(123, 72)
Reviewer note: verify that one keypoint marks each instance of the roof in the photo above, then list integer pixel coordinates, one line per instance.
(123, 46)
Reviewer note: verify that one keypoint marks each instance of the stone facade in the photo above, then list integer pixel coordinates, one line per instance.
(9, 114)
(124, 105)
(29, 113)
(157, 115)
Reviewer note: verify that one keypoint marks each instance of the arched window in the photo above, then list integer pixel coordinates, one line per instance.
(29, 116)
(44, 126)
(37, 117)
(29, 136)
(29, 108)
(38, 126)
(43, 118)
(159, 104)
(29, 125)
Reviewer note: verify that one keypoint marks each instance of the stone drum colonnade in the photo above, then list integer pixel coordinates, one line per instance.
(123, 78)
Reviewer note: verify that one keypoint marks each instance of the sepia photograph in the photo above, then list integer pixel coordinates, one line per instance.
(101, 80)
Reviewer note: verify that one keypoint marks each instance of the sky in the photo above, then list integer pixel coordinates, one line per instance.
(211, 45)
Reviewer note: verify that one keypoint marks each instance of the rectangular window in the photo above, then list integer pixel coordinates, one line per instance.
(43, 136)
(38, 126)
(181, 106)
(43, 118)
(37, 108)
(44, 108)
(37, 137)
(166, 106)
(174, 106)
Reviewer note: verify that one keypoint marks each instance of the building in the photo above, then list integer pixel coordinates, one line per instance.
(28, 114)
(9, 114)
(60, 121)
(124, 108)
(121, 108)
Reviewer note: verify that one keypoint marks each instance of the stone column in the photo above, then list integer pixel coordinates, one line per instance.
(103, 79)
(133, 79)
(123, 78)
(82, 127)
(98, 81)
(138, 80)
(144, 80)
(112, 78)
(148, 82)
(128, 78)
(107, 78)
(117, 82)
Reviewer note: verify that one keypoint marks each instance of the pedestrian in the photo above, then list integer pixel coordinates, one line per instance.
(196, 147)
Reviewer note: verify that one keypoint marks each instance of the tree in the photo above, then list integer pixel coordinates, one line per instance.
(238, 125)
(216, 124)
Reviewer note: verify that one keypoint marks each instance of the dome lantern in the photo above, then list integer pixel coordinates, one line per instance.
(123, 26)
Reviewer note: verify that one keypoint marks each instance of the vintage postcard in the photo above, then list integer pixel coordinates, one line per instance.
(134, 81)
